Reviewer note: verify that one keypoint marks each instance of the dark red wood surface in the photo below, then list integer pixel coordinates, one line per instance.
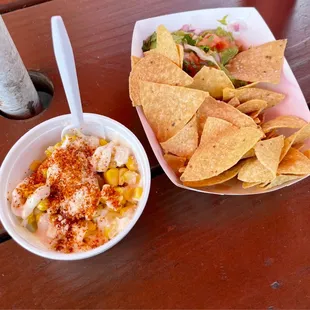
(12, 5)
(188, 250)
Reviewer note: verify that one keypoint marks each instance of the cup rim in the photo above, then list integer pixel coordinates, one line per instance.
(6, 168)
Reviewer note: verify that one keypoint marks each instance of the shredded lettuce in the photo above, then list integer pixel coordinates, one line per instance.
(189, 40)
(201, 54)
(180, 33)
(177, 38)
(183, 37)
(237, 83)
(228, 54)
(150, 42)
(223, 33)
(205, 48)
(223, 21)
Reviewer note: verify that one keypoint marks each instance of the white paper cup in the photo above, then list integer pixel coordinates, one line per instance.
(31, 146)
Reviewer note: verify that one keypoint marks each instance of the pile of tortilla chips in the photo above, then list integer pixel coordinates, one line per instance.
(211, 132)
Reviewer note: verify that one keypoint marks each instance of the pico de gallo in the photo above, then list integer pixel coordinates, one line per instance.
(212, 48)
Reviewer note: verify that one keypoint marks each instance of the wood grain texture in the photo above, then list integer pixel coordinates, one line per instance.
(12, 5)
(101, 31)
(188, 250)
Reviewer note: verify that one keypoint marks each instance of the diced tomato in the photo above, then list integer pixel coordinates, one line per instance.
(210, 40)
(192, 57)
(214, 41)
(224, 44)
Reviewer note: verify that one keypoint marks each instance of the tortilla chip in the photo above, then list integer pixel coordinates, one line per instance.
(298, 137)
(175, 162)
(284, 121)
(287, 145)
(182, 169)
(234, 102)
(181, 55)
(295, 163)
(246, 94)
(299, 146)
(169, 108)
(215, 129)
(254, 172)
(158, 69)
(271, 134)
(246, 185)
(301, 135)
(268, 153)
(223, 177)
(257, 120)
(185, 142)
(253, 105)
(262, 63)
(249, 154)
(307, 153)
(254, 115)
(211, 80)
(218, 153)
(281, 179)
(222, 110)
(261, 116)
(249, 85)
(134, 61)
(165, 44)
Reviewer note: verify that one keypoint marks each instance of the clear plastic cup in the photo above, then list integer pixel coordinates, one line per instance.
(31, 146)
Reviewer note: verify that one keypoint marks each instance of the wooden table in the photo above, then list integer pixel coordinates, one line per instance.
(188, 250)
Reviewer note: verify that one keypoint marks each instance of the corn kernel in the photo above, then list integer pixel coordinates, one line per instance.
(106, 232)
(26, 193)
(48, 152)
(131, 177)
(43, 205)
(111, 176)
(91, 226)
(31, 218)
(110, 231)
(137, 193)
(125, 209)
(103, 142)
(71, 137)
(128, 193)
(120, 190)
(102, 201)
(36, 211)
(44, 173)
(122, 198)
(31, 223)
(38, 216)
(111, 215)
(132, 164)
(35, 165)
(121, 180)
(57, 145)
